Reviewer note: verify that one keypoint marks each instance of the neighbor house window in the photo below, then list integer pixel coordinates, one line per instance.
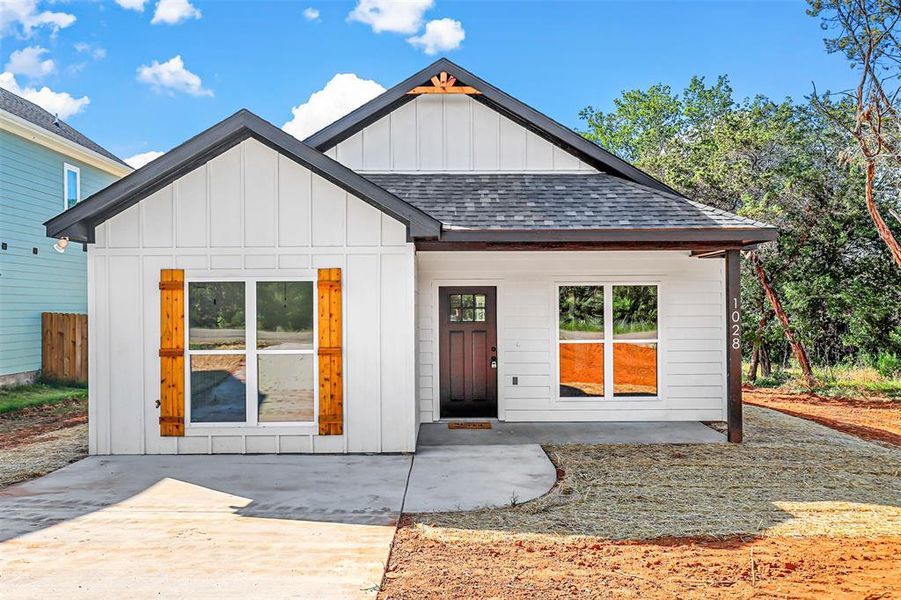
(71, 186)
(607, 329)
(257, 370)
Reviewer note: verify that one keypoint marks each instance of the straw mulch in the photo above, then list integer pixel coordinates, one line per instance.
(790, 478)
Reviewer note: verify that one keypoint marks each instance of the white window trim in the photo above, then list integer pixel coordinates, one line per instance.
(66, 168)
(250, 353)
(608, 341)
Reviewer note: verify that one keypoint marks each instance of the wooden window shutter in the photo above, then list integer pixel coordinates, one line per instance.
(331, 403)
(172, 352)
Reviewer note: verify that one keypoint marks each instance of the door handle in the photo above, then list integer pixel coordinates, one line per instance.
(493, 362)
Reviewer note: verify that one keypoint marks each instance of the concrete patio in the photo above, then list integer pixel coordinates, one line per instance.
(671, 432)
(202, 526)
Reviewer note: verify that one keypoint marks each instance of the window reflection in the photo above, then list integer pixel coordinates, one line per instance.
(218, 388)
(285, 387)
(635, 369)
(581, 370)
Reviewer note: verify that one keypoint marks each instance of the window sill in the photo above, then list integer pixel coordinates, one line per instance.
(195, 430)
(602, 400)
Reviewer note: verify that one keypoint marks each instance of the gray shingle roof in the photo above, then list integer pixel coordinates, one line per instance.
(551, 201)
(36, 115)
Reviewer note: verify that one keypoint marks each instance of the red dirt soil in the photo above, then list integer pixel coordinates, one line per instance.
(21, 427)
(871, 419)
(516, 567)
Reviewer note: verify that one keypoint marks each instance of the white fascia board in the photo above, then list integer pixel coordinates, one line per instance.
(22, 128)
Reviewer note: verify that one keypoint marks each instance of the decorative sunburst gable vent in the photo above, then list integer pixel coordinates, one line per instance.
(444, 84)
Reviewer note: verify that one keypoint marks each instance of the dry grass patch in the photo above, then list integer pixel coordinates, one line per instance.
(47, 452)
(798, 511)
(790, 477)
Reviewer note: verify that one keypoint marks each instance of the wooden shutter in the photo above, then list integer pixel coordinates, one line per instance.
(172, 352)
(331, 403)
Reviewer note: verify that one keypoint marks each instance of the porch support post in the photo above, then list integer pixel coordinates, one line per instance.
(733, 346)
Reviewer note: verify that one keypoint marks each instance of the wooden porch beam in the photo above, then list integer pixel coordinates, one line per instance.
(733, 346)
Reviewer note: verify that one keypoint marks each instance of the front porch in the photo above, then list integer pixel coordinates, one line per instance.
(502, 433)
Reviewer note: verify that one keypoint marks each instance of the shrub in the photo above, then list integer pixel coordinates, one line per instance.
(888, 364)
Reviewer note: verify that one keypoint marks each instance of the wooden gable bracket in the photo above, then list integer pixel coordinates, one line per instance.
(444, 84)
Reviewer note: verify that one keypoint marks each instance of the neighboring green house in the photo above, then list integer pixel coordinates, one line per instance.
(46, 166)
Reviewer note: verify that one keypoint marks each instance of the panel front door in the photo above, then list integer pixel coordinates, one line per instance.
(468, 351)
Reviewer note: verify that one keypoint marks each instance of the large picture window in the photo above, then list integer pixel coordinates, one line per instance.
(607, 341)
(256, 370)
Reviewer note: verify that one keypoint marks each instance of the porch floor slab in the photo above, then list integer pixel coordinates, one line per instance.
(460, 478)
(665, 432)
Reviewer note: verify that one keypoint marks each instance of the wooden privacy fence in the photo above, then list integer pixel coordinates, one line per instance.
(64, 346)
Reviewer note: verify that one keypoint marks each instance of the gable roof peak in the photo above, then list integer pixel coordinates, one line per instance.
(498, 100)
(79, 222)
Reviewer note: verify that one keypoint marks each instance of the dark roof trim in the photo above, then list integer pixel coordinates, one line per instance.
(493, 97)
(78, 222)
(739, 236)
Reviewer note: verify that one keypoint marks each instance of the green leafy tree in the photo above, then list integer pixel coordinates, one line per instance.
(781, 163)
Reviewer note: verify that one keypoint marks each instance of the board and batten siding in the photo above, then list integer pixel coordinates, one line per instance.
(31, 192)
(251, 212)
(438, 132)
(691, 358)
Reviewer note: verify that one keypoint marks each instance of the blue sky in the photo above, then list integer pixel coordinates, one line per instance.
(270, 57)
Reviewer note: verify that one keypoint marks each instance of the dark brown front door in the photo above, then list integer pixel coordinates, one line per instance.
(468, 351)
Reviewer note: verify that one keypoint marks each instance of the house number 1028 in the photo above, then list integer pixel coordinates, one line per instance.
(735, 325)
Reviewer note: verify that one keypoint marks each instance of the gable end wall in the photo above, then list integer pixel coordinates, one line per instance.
(451, 133)
(251, 212)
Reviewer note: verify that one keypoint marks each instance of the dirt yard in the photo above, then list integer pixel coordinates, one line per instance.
(35, 441)
(877, 419)
(798, 511)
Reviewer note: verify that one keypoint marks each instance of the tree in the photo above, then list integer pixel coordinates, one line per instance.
(865, 32)
(778, 163)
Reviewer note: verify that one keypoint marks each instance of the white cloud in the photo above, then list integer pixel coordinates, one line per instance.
(29, 62)
(311, 14)
(342, 94)
(24, 13)
(96, 52)
(172, 76)
(440, 35)
(403, 16)
(139, 160)
(173, 12)
(57, 103)
(136, 5)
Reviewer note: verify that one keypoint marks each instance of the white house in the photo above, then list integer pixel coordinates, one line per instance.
(442, 252)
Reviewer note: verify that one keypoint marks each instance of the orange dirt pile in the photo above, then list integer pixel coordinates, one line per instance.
(424, 565)
(634, 367)
(870, 419)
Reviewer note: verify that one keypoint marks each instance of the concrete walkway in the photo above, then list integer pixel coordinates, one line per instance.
(459, 478)
(672, 432)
